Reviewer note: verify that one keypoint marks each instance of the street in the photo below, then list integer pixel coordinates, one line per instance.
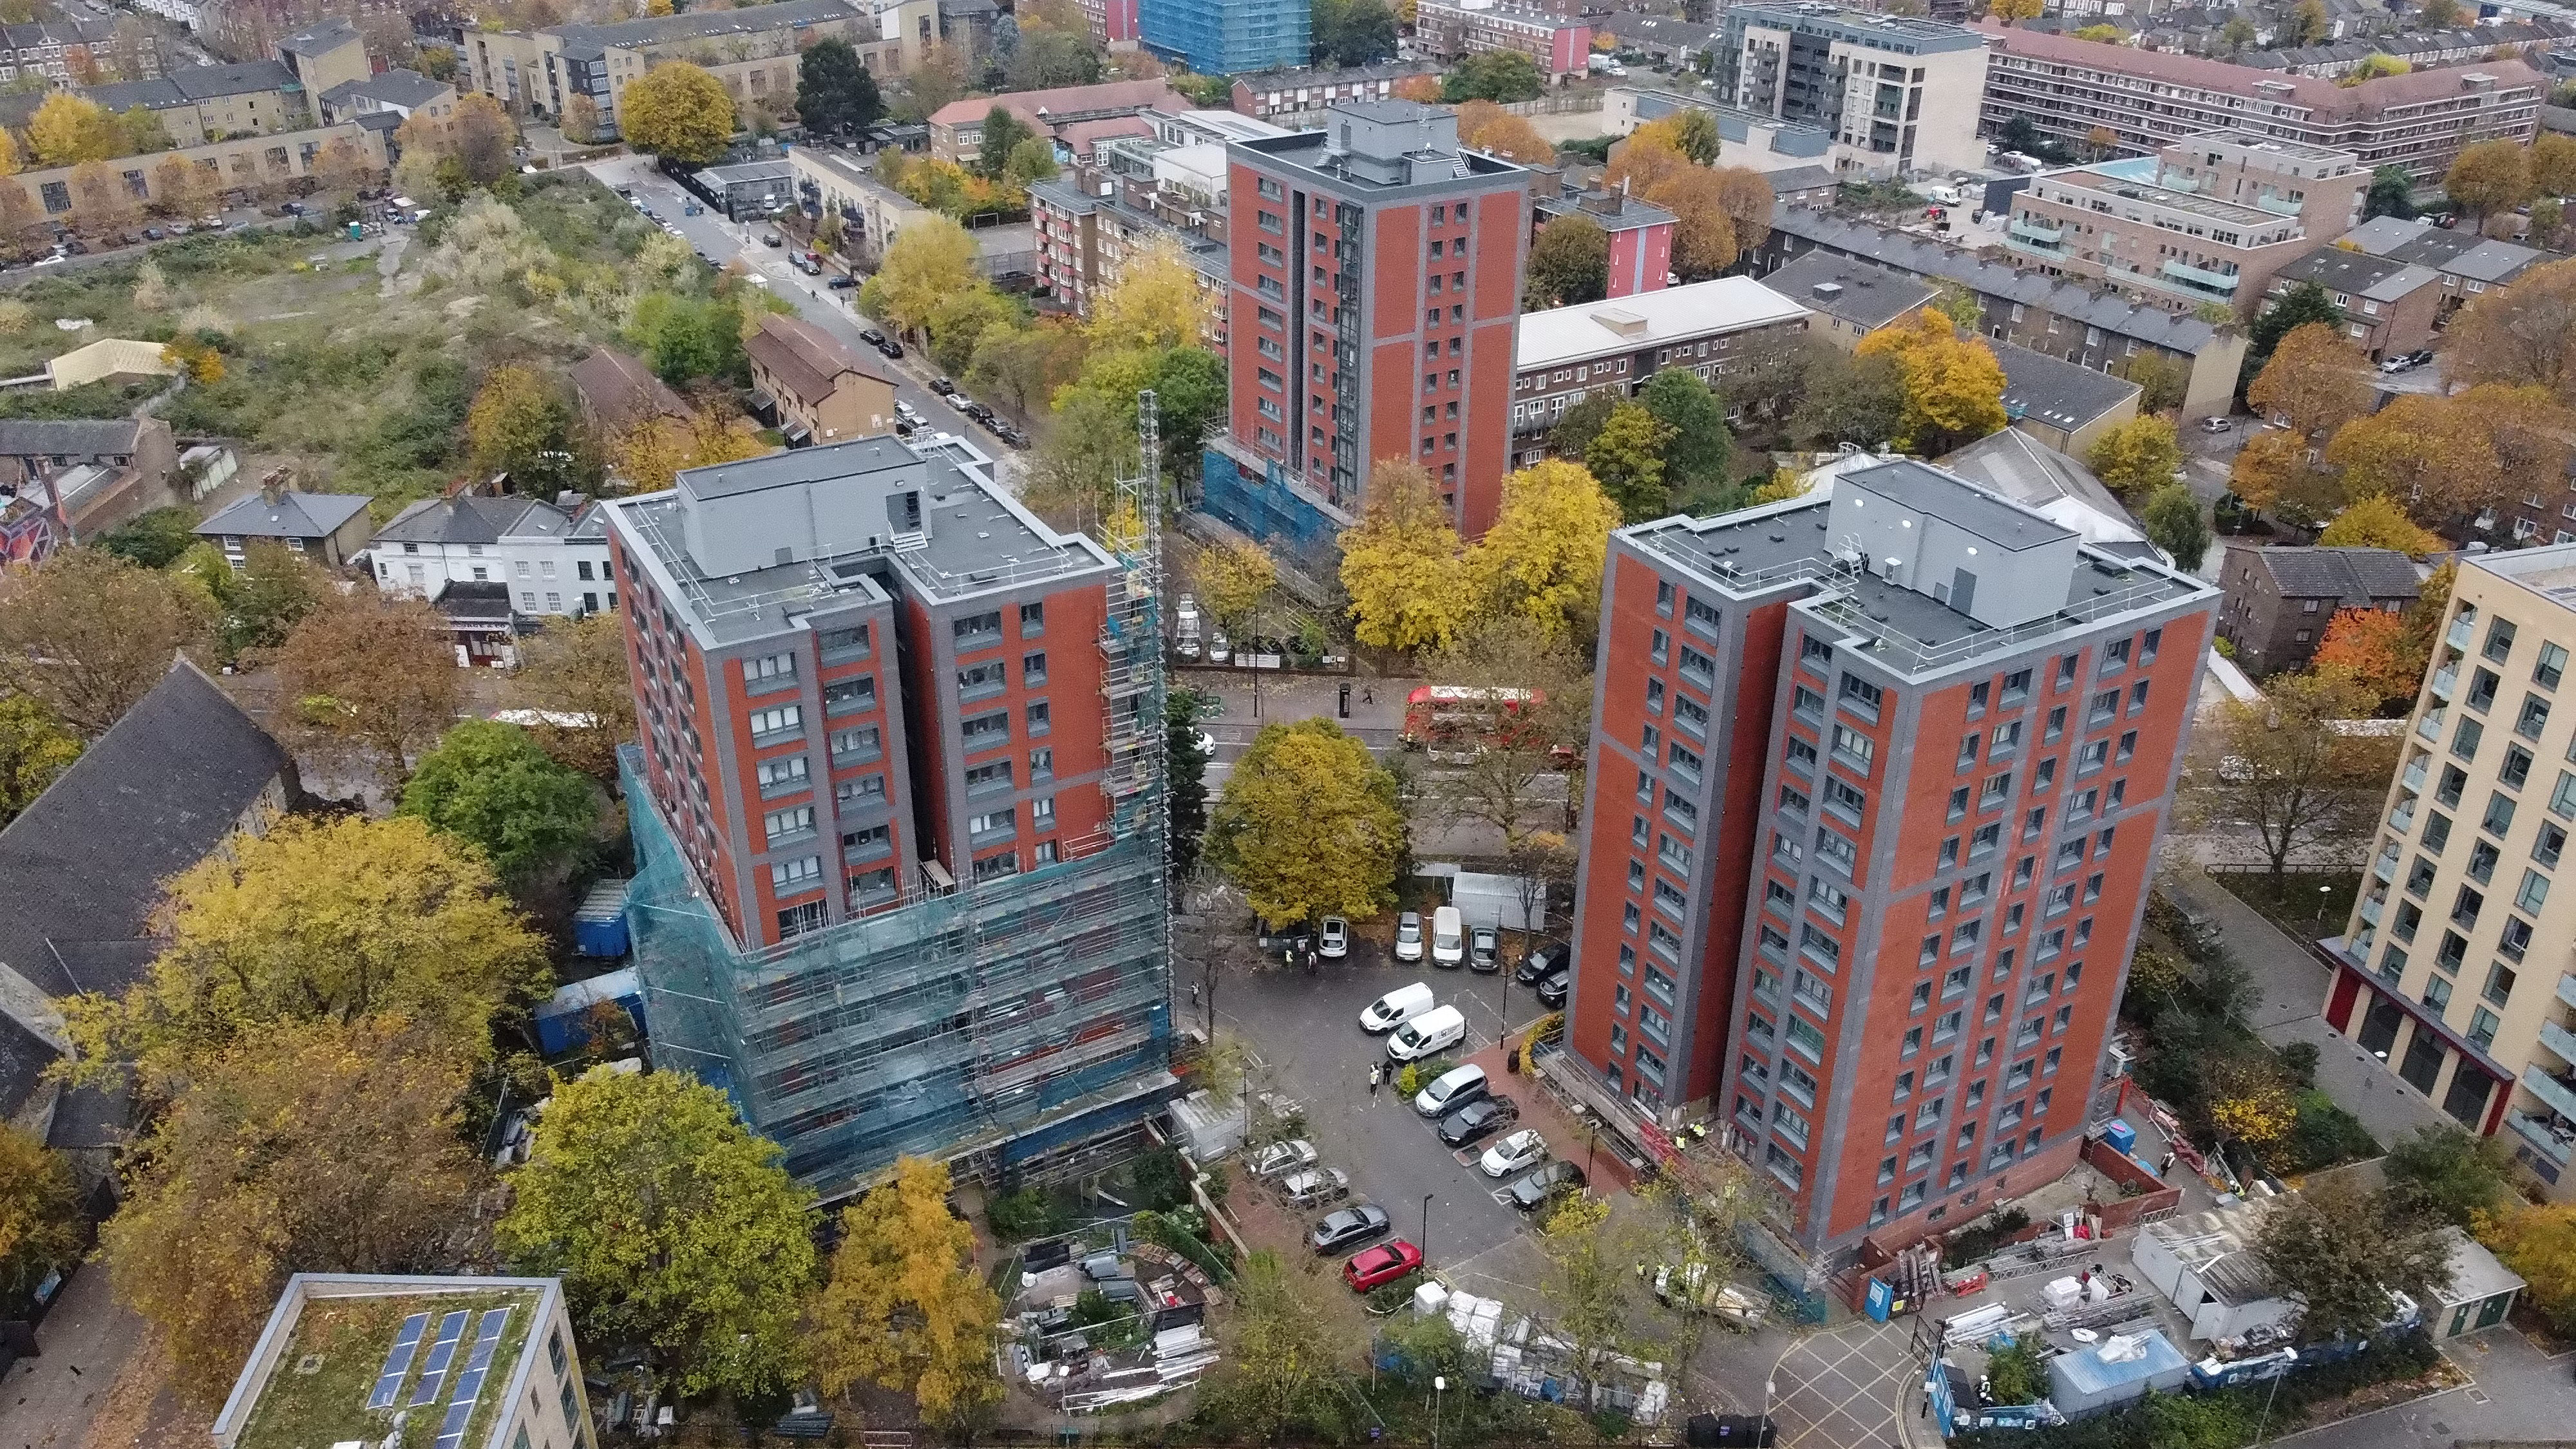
(836, 312)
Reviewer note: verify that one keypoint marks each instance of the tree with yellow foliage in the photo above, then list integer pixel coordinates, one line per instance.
(679, 111)
(2266, 467)
(2138, 457)
(904, 1307)
(652, 452)
(1690, 131)
(1402, 564)
(69, 129)
(2377, 522)
(2424, 454)
(2009, 11)
(1705, 240)
(1953, 385)
(932, 258)
(1542, 558)
(1648, 156)
(1235, 578)
(1155, 303)
(2316, 379)
(12, 160)
(2540, 1244)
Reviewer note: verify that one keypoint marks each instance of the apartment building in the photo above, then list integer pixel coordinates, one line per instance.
(957, 129)
(1296, 96)
(894, 885)
(2388, 306)
(2210, 218)
(2280, 600)
(247, 165)
(2467, 263)
(2147, 99)
(1884, 88)
(1612, 348)
(1449, 31)
(1756, 141)
(2095, 326)
(2455, 971)
(1640, 234)
(833, 181)
(552, 561)
(249, 29)
(1851, 298)
(198, 104)
(77, 52)
(1091, 223)
(1892, 984)
(751, 50)
(1225, 37)
(1113, 22)
(817, 388)
(1375, 285)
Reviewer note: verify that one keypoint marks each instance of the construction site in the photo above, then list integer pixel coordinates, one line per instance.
(1013, 1023)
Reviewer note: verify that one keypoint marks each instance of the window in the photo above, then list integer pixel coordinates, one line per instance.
(977, 681)
(865, 790)
(780, 775)
(1855, 747)
(860, 743)
(1033, 669)
(2499, 640)
(759, 672)
(781, 826)
(2550, 667)
(774, 724)
(1039, 720)
(977, 631)
(798, 874)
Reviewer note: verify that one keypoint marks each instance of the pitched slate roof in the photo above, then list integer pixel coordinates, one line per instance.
(472, 520)
(328, 36)
(2354, 575)
(2060, 393)
(408, 89)
(293, 515)
(1866, 296)
(2340, 269)
(805, 359)
(67, 437)
(620, 389)
(151, 797)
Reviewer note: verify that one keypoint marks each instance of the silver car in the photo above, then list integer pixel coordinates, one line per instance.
(1408, 936)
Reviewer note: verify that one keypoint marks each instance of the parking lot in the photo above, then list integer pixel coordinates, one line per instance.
(1304, 1031)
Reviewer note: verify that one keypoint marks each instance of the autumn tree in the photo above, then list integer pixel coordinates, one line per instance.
(1542, 558)
(2332, 1249)
(1308, 826)
(932, 259)
(1705, 239)
(654, 450)
(1953, 386)
(1549, 710)
(2369, 647)
(2375, 521)
(2539, 1242)
(2266, 467)
(1627, 458)
(671, 1225)
(2522, 334)
(1592, 1280)
(88, 634)
(2163, 381)
(1019, 366)
(521, 424)
(1156, 302)
(1745, 195)
(2489, 177)
(2278, 766)
(1235, 578)
(2425, 454)
(2302, 304)
(1484, 126)
(2137, 457)
(2316, 378)
(40, 1226)
(678, 112)
(904, 1307)
(70, 128)
(35, 746)
(2446, 1176)
(1402, 564)
(2008, 11)
(376, 676)
(101, 201)
(1568, 264)
(2174, 522)
(330, 1146)
(574, 677)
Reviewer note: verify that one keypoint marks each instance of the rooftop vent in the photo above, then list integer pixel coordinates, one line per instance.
(1829, 290)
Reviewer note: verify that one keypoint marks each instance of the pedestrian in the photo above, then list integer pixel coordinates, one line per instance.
(1367, 695)
(1194, 993)
(2165, 1166)
(1374, 1078)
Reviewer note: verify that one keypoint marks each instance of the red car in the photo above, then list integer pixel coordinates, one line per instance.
(1382, 1264)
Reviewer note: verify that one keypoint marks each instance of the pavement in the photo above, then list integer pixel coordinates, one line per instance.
(48, 1402)
(836, 312)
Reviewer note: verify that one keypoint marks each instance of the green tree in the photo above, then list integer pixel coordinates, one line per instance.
(678, 112)
(1049, 58)
(2392, 193)
(322, 1146)
(489, 785)
(671, 1225)
(2308, 22)
(1568, 264)
(2305, 303)
(1280, 1379)
(1353, 32)
(2138, 457)
(1695, 135)
(1960, 305)
(1572, 434)
(2163, 381)
(2333, 1250)
(1846, 399)
(2019, 1370)
(2238, 33)
(1189, 399)
(1003, 132)
(1593, 1280)
(153, 539)
(1308, 826)
(1493, 75)
(1698, 452)
(2279, 765)
(1627, 459)
(687, 338)
(835, 94)
(89, 634)
(904, 1308)
(39, 1214)
(34, 748)
(1031, 160)
(960, 321)
(1187, 786)
(276, 588)
(330, 920)
(2442, 1175)
(2175, 524)
(521, 424)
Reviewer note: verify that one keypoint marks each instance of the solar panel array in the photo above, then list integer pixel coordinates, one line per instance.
(433, 1374)
(398, 1362)
(469, 1384)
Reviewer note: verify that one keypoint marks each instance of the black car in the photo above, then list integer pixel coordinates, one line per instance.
(871, 337)
(2420, 356)
(1543, 961)
(1477, 1118)
(1535, 1188)
(1484, 950)
(942, 385)
(890, 348)
(1551, 992)
(1349, 1225)
(841, 282)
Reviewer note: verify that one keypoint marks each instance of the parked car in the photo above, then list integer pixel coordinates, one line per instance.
(1433, 1032)
(1010, 434)
(2216, 425)
(1551, 992)
(1408, 927)
(890, 348)
(1336, 941)
(841, 282)
(1484, 950)
(871, 336)
(942, 385)
(2399, 363)
(1281, 1158)
(1519, 1152)
(772, 239)
(1349, 1225)
(1448, 937)
(1382, 1264)
(1532, 1190)
(955, 400)
(1544, 960)
(2421, 356)
(1451, 1090)
(1486, 1114)
(1312, 1189)
(905, 411)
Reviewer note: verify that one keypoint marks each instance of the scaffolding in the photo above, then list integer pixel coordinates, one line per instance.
(1011, 1027)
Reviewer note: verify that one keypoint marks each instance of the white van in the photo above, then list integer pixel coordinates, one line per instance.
(1448, 937)
(1455, 1087)
(1396, 1008)
(1436, 1030)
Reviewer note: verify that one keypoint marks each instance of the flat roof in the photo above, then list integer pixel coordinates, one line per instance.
(1647, 319)
(1862, 26)
(2119, 178)
(343, 1354)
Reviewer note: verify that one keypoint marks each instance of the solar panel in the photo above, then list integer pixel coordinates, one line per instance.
(398, 1362)
(451, 1430)
(469, 1384)
(433, 1374)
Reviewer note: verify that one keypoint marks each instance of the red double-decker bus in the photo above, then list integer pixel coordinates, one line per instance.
(1454, 723)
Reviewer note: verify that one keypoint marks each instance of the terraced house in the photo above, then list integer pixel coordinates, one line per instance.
(752, 50)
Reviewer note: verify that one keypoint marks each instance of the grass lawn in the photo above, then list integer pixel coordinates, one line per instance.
(318, 1394)
(2307, 904)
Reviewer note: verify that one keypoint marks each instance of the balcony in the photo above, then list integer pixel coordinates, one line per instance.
(2031, 231)
(2567, 989)
(2032, 248)
(2430, 726)
(2560, 1040)
(2386, 866)
(2413, 779)
(2371, 907)
(2402, 819)
(2277, 204)
(2219, 284)
(2462, 629)
(2536, 1131)
(2557, 1094)
(2445, 680)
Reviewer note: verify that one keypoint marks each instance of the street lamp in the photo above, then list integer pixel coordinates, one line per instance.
(1425, 1244)
(1439, 1386)
(2323, 892)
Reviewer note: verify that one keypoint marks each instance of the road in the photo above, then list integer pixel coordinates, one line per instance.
(833, 311)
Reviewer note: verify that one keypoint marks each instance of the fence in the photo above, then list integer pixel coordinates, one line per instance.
(1559, 104)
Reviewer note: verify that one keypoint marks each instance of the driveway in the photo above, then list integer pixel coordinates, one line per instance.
(2520, 1396)
(49, 1401)
(1843, 1389)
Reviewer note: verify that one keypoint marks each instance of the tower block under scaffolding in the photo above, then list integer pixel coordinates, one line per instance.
(899, 808)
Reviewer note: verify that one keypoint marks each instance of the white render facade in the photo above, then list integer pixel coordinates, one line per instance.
(555, 563)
